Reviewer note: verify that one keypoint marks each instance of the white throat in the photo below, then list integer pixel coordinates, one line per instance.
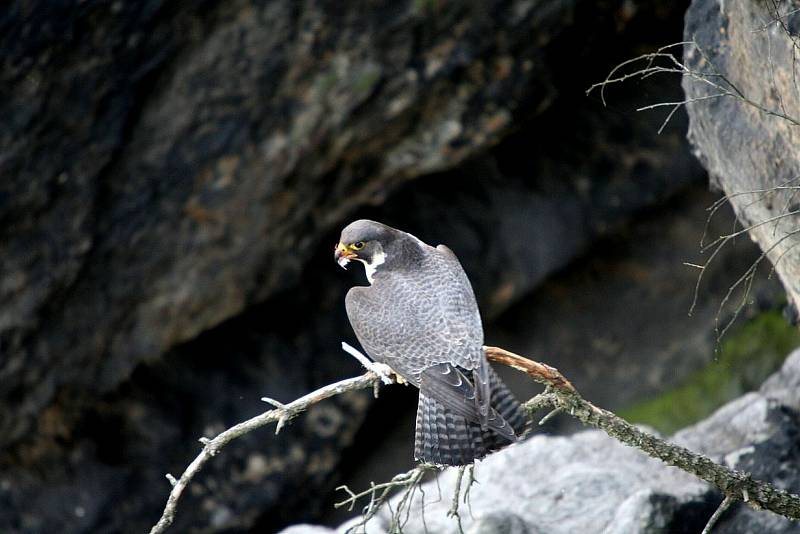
(378, 259)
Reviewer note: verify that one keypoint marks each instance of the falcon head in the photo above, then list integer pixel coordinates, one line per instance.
(365, 241)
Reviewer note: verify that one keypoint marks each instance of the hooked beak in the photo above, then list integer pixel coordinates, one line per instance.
(343, 255)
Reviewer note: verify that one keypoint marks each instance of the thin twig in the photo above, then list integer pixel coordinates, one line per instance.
(470, 481)
(721, 509)
(422, 508)
(753, 226)
(453, 511)
(379, 493)
(717, 245)
(543, 421)
(713, 78)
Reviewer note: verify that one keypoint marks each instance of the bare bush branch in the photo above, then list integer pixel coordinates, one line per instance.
(379, 493)
(766, 195)
(719, 85)
(662, 61)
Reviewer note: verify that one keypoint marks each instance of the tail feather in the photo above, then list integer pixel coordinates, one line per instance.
(423, 445)
(438, 430)
(507, 405)
(478, 440)
(435, 445)
(455, 439)
(461, 439)
(445, 438)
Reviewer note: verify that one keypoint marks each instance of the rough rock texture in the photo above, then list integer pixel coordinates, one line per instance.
(758, 433)
(202, 144)
(754, 46)
(591, 483)
(609, 351)
(523, 219)
(173, 177)
(582, 483)
(165, 167)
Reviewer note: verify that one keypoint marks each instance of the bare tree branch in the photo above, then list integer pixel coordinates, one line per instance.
(539, 372)
(559, 394)
(734, 484)
(281, 414)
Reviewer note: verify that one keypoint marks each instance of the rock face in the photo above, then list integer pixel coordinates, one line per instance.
(591, 483)
(750, 148)
(758, 434)
(166, 168)
(202, 144)
(173, 177)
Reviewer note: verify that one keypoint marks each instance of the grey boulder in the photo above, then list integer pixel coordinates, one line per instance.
(589, 482)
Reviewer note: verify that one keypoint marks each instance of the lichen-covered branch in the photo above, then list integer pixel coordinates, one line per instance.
(734, 484)
(560, 395)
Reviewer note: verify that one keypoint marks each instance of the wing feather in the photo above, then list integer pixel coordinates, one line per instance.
(413, 319)
(450, 386)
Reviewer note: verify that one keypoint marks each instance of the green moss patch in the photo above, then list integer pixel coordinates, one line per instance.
(745, 360)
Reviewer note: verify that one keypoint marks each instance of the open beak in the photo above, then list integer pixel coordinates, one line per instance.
(343, 255)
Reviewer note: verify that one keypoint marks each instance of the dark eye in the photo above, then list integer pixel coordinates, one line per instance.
(358, 245)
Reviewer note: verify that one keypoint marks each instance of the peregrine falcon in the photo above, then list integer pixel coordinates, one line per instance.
(419, 316)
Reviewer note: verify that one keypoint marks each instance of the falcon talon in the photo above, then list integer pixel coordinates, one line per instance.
(419, 317)
(385, 373)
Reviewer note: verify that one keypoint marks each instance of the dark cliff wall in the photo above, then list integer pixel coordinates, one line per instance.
(173, 178)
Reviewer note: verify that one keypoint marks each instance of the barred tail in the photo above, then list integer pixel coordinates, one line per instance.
(507, 405)
(444, 438)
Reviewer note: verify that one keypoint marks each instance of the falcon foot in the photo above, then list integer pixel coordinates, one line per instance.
(386, 373)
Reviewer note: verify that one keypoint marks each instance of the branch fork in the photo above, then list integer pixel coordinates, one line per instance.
(560, 395)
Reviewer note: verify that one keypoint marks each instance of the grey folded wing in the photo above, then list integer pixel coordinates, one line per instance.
(449, 385)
